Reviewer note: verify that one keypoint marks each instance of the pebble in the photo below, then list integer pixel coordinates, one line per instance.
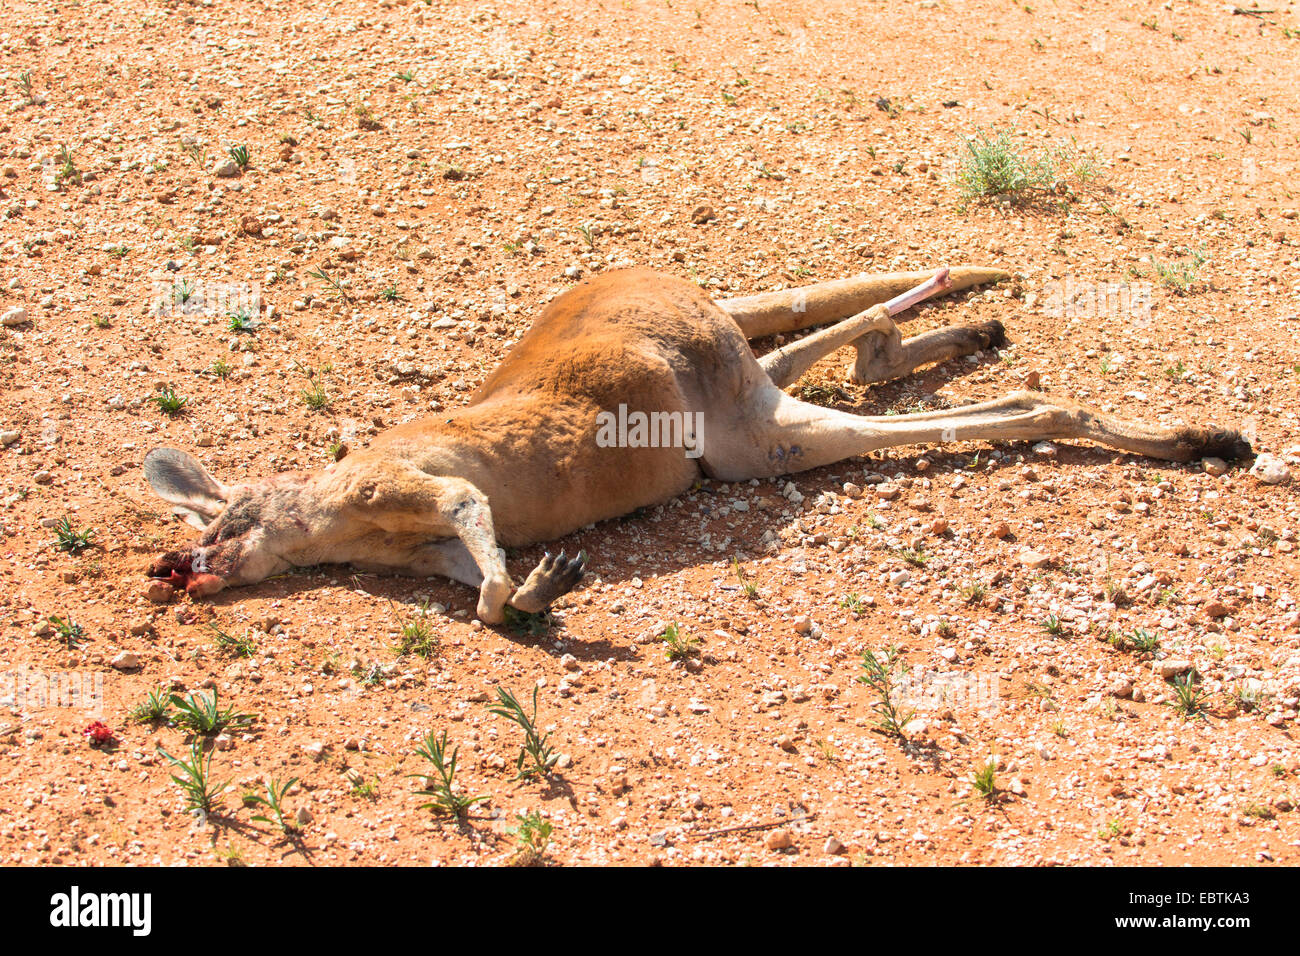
(228, 169)
(1214, 467)
(803, 624)
(1173, 668)
(15, 316)
(1034, 560)
(1000, 530)
(899, 578)
(702, 214)
(833, 847)
(779, 839)
(304, 816)
(126, 661)
(159, 592)
(1270, 470)
(8, 438)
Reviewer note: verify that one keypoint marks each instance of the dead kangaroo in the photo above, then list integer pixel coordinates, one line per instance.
(534, 456)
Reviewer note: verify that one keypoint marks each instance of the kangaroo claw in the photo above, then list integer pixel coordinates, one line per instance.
(554, 577)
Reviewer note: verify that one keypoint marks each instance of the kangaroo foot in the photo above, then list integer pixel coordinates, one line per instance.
(553, 578)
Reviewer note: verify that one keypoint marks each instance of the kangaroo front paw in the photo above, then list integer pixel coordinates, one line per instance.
(553, 578)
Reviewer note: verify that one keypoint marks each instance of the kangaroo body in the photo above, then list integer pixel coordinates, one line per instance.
(543, 446)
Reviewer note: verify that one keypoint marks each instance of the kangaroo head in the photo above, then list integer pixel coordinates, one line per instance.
(250, 531)
(367, 507)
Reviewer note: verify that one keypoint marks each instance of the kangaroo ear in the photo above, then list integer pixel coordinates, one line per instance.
(178, 478)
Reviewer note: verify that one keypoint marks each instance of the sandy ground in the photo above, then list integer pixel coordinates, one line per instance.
(455, 166)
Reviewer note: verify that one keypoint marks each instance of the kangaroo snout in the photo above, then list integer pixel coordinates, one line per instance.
(177, 569)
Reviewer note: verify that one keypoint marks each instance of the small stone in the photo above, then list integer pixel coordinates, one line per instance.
(126, 661)
(1270, 470)
(1214, 467)
(8, 438)
(159, 592)
(315, 749)
(803, 624)
(786, 743)
(228, 169)
(1000, 530)
(899, 578)
(1121, 688)
(224, 742)
(570, 663)
(833, 847)
(1215, 610)
(1174, 668)
(1035, 560)
(15, 316)
(702, 214)
(304, 816)
(779, 839)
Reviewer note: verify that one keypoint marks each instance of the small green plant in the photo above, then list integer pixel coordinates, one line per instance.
(239, 646)
(1110, 831)
(195, 779)
(69, 631)
(406, 76)
(746, 585)
(182, 291)
(119, 251)
(677, 647)
(68, 538)
(332, 285)
(201, 714)
(852, 602)
(390, 293)
(1190, 699)
(366, 119)
(588, 235)
(168, 401)
(155, 707)
(1181, 277)
(1052, 625)
(240, 155)
(536, 756)
(914, 556)
(417, 637)
(532, 838)
(984, 780)
(314, 395)
(28, 87)
(973, 593)
(441, 790)
(992, 167)
(68, 171)
(527, 623)
(197, 154)
(240, 320)
(273, 801)
(1176, 371)
(1247, 696)
(101, 322)
(365, 789)
(1143, 641)
(878, 673)
(220, 367)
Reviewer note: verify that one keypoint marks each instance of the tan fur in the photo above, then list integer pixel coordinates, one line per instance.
(521, 463)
